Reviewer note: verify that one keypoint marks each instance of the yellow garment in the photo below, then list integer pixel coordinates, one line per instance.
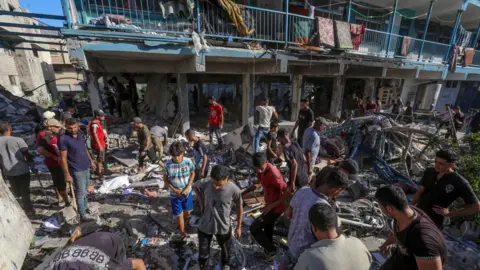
(234, 13)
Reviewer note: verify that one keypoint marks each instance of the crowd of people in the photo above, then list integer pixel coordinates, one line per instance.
(315, 237)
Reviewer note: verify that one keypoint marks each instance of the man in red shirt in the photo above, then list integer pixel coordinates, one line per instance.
(98, 138)
(275, 194)
(215, 122)
(47, 147)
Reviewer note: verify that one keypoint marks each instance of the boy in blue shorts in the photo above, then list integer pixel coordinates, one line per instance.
(179, 175)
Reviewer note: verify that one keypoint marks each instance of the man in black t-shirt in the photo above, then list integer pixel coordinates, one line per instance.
(272, 143)
(305, 120)
(440, 186)
(202, 164)
(293, 153)
(420, 244)
(100, 250)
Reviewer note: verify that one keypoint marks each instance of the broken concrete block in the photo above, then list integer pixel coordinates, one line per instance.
(55, 243)
(68, 214)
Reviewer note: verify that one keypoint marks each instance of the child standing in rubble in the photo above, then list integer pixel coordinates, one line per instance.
(179, 175)
(219, 195)
(202, 164)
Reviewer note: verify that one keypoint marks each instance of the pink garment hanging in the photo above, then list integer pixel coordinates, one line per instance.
(357, 31)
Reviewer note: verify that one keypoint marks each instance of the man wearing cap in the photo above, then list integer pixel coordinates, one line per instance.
(98, 139)
(311, 143)
(48, 148)
(324, 189)
(215, 122)
(145, 143)
(159, 139)
(14, 161)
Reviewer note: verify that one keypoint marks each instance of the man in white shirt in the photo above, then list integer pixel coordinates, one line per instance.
(332, 251)
(265, 113)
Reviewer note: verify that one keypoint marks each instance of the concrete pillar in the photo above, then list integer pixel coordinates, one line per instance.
(157, 95)
(409, 86)
(17, 230)
(92, 91)
(369, 90)
(182, 92)
(296, 96)
(337, 96)
(245, 98)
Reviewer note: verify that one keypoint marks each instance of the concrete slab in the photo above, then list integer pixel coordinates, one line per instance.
(55, 243)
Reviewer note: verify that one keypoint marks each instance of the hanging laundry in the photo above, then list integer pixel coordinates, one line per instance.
(406, 45)
(464, 37)
(452, 61)
(325, 32)
(235, 16)
(301, 31)
(469, 53)
(182, 8)
(342, 35)
(357, 31)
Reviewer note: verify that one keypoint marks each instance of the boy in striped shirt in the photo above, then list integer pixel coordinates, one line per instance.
(179, 175)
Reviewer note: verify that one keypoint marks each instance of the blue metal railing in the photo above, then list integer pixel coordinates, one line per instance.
(263, 25)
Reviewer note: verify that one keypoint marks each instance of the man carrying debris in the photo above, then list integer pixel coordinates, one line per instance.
(76, 164)
(215, 121)
(272, 143)
(98, 140)
(48, 148)
(265, 114)
(311, 143)
(179, 175)
(332, 250)
(275, 194)
(159, 139)
(420, 244)
(305, 120)
(296, 161)
(14, 158)
(202, 163)
(441, 186)
(329, 183)
(219, 195)
(145, 143)
(99, 250)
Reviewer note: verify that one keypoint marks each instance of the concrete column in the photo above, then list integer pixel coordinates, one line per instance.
(409, 86)
(92, 91)
(369, 90)
(296, 96)
(183, 103)
(337, 96)
(157, 95)
(245, 98)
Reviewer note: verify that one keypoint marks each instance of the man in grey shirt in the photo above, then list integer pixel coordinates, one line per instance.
(332, 251)
(14, 158)
(216, 200)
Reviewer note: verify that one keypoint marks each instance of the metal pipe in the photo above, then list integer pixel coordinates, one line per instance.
(197, 2)
(425, 29)
(454, 33)
(390, 29)
(286, 22)
(66, 12)
(349, 11)
(359, 224)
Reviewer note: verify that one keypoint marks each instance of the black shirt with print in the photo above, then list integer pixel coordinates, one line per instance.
(443, 192)
(304, 117)
(420, 240)
(293, 151)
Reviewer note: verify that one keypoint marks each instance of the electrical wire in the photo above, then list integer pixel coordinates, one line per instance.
(38, 87)
(443, 20)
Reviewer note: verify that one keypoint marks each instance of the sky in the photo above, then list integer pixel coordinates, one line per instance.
(52, 7)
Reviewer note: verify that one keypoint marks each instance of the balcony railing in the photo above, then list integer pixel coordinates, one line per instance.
(255, 24)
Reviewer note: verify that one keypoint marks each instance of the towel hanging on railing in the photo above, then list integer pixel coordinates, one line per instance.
(342, 35)
(235, 16)
(357, 31)
(325, 32)
(406, 45)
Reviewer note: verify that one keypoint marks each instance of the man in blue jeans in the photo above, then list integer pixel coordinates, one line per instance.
(265, 114)
(76, 164)
(311, 142)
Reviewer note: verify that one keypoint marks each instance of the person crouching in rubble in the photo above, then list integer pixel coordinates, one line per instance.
(420, 244)
(441, 186)
(76, 164)
(328, 184)
(218, 196)
(179, 175)
(202, 164)
(332, 250)
(159, 140)
(145, 143)
(275, 194)
(48, 148)
(98, 135)
(99, 250)
(295, 160)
